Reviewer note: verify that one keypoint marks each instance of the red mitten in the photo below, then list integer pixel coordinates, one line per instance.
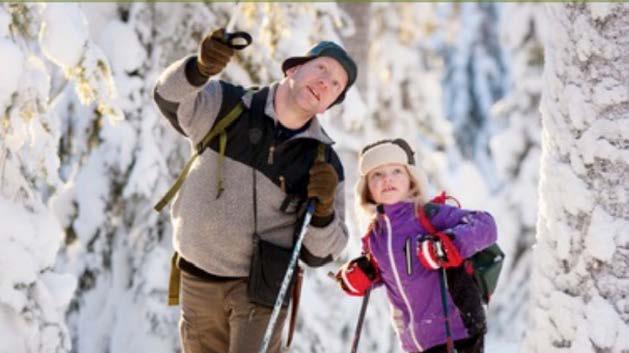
(356, 276)
(438, 251)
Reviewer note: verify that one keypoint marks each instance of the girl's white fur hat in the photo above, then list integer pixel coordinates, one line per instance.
(384, 152)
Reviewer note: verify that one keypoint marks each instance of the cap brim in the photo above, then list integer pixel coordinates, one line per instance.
(294, 61)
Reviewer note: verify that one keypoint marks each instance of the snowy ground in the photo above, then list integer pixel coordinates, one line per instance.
(499, 345)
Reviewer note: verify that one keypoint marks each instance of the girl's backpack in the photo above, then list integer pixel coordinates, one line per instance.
(484, 266)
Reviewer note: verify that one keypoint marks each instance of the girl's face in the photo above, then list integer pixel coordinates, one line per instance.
(389, 183)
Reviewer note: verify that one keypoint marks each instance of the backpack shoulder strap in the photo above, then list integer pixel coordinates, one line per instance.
(231, 93)
(427, 211)
(218, 129)
(230, 110)
(424, 220)
(365, 238)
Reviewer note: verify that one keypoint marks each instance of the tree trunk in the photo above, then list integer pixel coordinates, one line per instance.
(581, 260)
(358, 44)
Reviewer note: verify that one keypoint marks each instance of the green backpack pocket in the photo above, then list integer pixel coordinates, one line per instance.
(486, 265)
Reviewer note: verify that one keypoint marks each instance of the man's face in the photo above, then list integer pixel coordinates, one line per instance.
(316, 84)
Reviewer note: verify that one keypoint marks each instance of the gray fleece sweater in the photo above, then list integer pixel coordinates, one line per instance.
(216, 234)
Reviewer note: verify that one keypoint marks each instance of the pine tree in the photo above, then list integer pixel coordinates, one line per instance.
(516, 150)
(34, 292)
(474, 79)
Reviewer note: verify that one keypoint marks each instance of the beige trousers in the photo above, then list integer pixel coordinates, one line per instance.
(217, 317)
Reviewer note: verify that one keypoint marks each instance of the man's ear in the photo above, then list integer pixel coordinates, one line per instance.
(292, 70)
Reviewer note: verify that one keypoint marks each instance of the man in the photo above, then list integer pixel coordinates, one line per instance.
(270, 167)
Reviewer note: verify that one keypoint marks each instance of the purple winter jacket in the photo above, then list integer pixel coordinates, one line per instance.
(418, 316)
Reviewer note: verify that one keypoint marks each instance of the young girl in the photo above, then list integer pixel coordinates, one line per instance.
(411, 263)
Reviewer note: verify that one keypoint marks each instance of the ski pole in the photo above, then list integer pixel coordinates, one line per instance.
(287, 276)
(443, 284)
(361, 318)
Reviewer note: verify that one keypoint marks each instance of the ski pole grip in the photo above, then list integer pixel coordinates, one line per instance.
(310, 206)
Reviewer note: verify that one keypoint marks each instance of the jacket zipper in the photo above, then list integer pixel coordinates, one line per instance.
(398, 282)
(269, 159)
(283, 183)
(408, 255)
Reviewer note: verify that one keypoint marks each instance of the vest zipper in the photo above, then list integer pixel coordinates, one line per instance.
(269, 159)
(408, 254)
(283, 183)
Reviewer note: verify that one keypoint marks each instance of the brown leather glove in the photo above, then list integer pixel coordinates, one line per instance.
(213, 53)
(322, 186)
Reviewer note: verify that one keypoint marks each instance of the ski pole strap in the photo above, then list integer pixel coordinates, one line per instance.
(174, 281)
(237, 40)
(299, 277)
(218, 129)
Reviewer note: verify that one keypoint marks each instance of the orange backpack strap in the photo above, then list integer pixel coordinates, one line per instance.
(425, 222)
(365, 238)
(443, 198)
(367, 245)
(440, 199)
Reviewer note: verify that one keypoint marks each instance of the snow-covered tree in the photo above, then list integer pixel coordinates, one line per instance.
(84, 153)
(581, 259)
(516, 151)
(474, 79)
(34, 293)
